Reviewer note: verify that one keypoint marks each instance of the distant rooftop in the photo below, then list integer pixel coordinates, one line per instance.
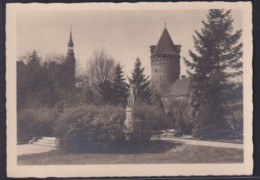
(181, 87)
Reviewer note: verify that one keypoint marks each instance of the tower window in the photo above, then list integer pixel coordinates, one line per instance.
(155, 70)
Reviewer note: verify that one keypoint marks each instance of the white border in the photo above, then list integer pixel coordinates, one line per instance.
(126, 170)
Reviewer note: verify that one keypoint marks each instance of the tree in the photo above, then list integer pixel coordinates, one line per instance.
(119, 89)
(22, 87)
(156, 98)
(182, 121)
(34, 59)
(142, 82)
(41, 84)
(217, 61)
(100, 74)
(85, 93)
(34, 77)
(54, 86)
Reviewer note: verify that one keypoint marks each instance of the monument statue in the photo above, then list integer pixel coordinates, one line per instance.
(131, 95)
(130, 103)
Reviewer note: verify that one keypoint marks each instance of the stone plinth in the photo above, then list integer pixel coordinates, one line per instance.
(129, 120)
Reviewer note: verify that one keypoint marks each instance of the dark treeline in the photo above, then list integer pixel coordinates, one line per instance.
(50, 104)
(50, 82)
(40, 83)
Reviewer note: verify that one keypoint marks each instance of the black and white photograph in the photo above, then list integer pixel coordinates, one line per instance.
(122, 88)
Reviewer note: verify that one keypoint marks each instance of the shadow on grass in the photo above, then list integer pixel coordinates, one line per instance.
(154, 146)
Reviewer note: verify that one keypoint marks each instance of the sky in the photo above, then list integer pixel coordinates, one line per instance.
(125, 35)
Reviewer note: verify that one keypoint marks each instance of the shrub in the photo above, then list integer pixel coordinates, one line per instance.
(183, 122)
(35, 122)
(235, 119)
(229, 127)
(148, 119)
(87, 126)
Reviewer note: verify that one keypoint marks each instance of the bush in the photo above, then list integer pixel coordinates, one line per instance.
(207, 126)
(148, 119)
(235, 118)
(183, 122)
(35, 122)
(88, 126)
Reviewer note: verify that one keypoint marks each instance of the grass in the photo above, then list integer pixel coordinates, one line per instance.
(164, 152)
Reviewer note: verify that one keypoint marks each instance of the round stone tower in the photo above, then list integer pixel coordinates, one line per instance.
(165, 61)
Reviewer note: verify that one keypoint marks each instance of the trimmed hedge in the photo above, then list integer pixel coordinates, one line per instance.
(148, 119)
(35, 122)
(80, 127)
(89, 127)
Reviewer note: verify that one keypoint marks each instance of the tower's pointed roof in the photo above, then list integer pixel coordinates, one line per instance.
(70, 44)
(165, 44)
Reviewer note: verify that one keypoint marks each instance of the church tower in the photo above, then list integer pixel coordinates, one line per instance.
(70, 63)
(165, 61)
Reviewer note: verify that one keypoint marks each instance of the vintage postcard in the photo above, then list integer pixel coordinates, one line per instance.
(129, 89)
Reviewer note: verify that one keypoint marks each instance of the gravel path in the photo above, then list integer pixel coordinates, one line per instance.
(33, 149)
(204, 143)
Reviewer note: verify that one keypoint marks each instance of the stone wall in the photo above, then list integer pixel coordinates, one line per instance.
(165, 69)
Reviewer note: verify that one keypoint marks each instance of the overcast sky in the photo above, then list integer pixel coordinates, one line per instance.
(125, 35)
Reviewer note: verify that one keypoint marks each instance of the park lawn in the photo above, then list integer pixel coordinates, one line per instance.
(179, 153)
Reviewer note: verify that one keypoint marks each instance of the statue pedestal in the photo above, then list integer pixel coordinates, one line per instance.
(129, 120)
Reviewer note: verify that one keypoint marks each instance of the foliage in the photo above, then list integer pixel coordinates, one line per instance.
(235, 118)
(85, 94)
(22, 87)
(36, 122)
(41, 83)
(103, 82)
(147, 119)
(86, 126)
(34, 61)
(119, 88)
(45, 83)
(29, 80)
(217, 61)
(156, 99)
(100, 74)
(141, 81)
(183, 122)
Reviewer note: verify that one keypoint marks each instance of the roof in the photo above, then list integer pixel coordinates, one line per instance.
(181, 87)
(165, 44)
(70, 44)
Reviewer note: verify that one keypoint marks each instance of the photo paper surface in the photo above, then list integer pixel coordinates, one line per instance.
(129, 89)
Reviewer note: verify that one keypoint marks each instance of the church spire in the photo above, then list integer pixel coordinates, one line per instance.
(70, 44)
(70, 66)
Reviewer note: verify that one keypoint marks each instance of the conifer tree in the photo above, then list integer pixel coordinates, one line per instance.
(34, 60)
(142, 82)
(217, 61)
(35, 72)
(119, 91)
(105, 89)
